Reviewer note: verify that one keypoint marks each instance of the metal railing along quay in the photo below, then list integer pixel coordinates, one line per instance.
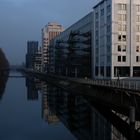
(133, 85)
(122, 84)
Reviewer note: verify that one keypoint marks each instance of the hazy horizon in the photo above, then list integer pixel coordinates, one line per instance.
(22, 20)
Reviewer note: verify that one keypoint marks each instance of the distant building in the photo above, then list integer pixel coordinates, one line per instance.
(38, 60)
(48, 101)
(32, 49)
(32, 91)
(51, 30)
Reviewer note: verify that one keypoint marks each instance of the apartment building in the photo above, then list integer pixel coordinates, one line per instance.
(51, 30)
(116, 41)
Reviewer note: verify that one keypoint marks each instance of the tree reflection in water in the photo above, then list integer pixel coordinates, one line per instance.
(3, 81)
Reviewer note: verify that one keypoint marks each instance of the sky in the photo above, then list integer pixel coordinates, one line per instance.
(22, 20)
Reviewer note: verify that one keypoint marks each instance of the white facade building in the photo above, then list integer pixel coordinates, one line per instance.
(116, 41)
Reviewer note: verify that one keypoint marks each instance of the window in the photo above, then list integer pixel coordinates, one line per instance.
(122, 7)
(119, 48)
(97, 42)
(97, 50)
(124, 37)
(108, 59)
(108, 28)
(119, 58)
(108, 9)
(137, 58)
(119, 17)
(138, 28)
(96, 15)
(138, 18)
(124, 48)
(119, 27)
(108, 18)
(122, 27)
(96, 32)
(108, 48)
(97, 60)
(102, 12)
(137, 48)
(124, 58)
(138, 8)
(108, 38)
(96, 24)
(137, 38)
(122, 17)
(119, 37)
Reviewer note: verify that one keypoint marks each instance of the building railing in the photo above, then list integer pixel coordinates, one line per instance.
(122, 84)
(131, 85)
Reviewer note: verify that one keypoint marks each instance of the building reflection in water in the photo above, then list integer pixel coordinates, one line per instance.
(3, 81)
(83, 120)
(48, 103)
(80, 117)
(33, 85)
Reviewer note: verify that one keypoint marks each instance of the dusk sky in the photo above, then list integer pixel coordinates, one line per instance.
(22, 20)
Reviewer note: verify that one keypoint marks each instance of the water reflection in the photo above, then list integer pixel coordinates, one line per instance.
(77, 115)
(32, 88)
(82, 119)
(3, 81)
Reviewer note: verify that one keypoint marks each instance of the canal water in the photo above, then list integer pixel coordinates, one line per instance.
(33, 110)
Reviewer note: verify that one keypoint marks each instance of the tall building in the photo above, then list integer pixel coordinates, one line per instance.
(32, 49)
(38, 60)
(116, 41)
(51, 30)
